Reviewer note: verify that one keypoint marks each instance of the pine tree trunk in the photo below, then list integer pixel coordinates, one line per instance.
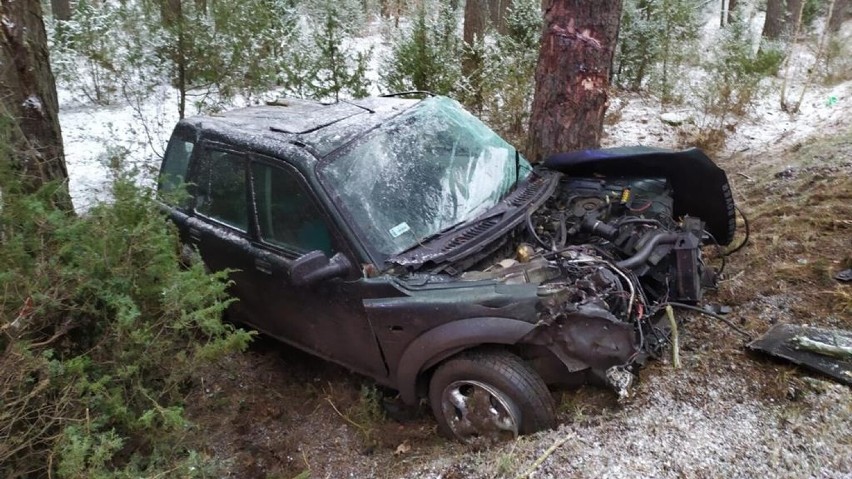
(572, 76)
(732, 11)
(171, 11)
(61, 9)
(773, 24)
(794, 11)
(28, 99)
(839, 14)
(497, 10)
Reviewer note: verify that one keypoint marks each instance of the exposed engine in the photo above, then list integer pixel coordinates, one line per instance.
(607, 255)
(629, 223)
(622, 225)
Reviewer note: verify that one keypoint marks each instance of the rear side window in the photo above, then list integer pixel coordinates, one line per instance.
(220, 190)
(175, 164)
(286, 214)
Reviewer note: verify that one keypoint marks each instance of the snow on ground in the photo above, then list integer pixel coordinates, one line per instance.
(767, 126)
(90, 132)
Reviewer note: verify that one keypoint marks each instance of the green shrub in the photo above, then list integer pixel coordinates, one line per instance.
(101, 330)
(735, 71)
(733, 81)
(508, 106)
(84, 55)
(426, 57)
(336, 71)
(657, 38)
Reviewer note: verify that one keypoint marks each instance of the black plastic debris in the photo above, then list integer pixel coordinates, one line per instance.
(828, 351)
(845, 275)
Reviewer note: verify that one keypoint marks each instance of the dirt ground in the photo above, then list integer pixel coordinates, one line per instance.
(278, 413)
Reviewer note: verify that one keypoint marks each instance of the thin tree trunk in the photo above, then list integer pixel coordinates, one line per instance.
(732, 11)
(793, 14)
(796, 28)
(839, 14)
(773, 24)
(170, 11)
(28, 103)
(497, 10)
(572, 76)
(475, 19)
(61, 9)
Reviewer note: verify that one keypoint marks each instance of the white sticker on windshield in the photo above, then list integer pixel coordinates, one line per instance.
(399, 229)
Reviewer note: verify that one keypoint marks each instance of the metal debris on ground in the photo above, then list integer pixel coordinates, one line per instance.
(845, 275)
(828, 351)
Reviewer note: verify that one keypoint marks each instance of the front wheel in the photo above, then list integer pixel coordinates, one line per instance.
(492, 395)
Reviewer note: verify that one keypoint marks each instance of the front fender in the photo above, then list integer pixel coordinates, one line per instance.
(440, 342)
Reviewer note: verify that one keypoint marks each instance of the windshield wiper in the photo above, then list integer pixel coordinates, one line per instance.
(428, 238)
(497, 211)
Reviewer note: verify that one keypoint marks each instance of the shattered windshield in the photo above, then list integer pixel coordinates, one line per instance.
(421, 173)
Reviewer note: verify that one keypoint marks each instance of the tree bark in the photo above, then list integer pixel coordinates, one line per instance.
(839, 14)
(61, 9)
(572, 76)
(28, 100)
(171, 11)
(773, 24)
(475, 20)
(793, 14)
(732, 11)
(497, 10)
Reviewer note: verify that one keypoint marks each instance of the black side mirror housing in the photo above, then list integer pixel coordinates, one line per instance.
(314, 267)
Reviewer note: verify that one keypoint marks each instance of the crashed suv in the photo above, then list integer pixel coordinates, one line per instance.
(406, 241)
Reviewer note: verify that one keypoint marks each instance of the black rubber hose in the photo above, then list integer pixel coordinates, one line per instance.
(642, 255)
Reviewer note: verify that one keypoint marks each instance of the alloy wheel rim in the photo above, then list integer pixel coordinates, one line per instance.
(477, 410)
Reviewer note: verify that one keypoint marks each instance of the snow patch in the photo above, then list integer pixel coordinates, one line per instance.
(9, 24)
(34, 102)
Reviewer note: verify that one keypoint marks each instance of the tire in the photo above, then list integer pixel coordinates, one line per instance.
(489, 395)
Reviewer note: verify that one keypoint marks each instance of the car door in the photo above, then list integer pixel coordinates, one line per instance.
(220, 223)
(327, 318)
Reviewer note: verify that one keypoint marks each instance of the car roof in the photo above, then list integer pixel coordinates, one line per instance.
(319, 127)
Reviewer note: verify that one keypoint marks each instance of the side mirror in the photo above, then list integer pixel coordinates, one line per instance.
(314, 267)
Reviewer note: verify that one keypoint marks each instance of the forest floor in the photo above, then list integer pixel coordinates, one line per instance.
(278, 413)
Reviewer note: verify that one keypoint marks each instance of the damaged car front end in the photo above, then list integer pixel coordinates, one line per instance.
(584, 251)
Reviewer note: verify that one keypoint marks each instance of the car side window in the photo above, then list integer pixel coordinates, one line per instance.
(220, 191)
(286, 215)
(174, 170)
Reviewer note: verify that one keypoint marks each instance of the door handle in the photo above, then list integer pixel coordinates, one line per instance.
(263, 266)
(195, 235)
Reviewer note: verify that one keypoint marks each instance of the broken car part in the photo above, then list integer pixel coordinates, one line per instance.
(827, 351)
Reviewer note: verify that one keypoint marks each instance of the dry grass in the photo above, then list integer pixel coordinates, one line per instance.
(801, 221)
